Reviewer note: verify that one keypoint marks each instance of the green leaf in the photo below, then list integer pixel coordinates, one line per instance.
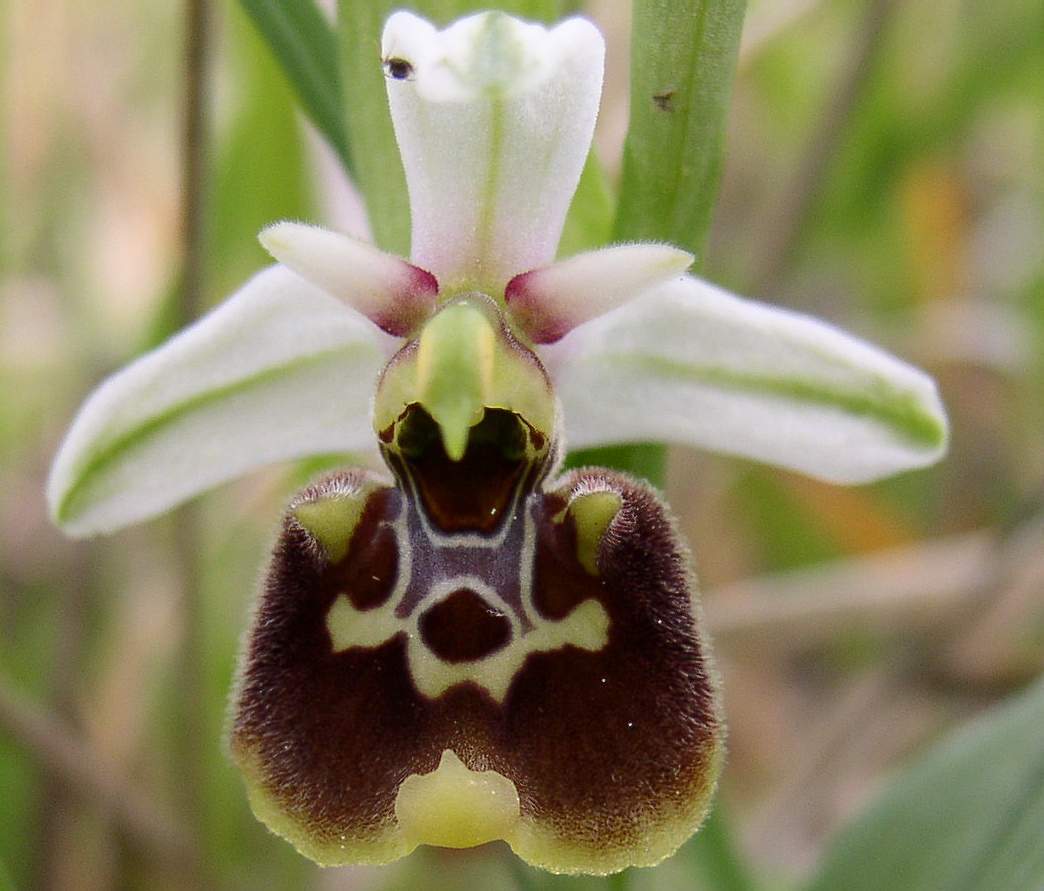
(968, 816)
(713, 855)
(378, 170)
(647, 461)
(683, 57)
(589, 223)
(306, 47)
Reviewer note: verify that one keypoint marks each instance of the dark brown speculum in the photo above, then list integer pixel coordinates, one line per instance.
(471, 653)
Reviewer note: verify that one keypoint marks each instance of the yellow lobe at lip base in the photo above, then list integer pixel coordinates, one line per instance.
(454, 807)
(332, 520)
(592, 512)
(455, 365)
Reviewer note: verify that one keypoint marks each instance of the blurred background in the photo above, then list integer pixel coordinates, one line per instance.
(884, 171)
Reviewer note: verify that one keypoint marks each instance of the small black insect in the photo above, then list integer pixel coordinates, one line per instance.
(398, 69)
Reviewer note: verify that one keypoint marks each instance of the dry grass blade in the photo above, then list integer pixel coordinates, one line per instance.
(65, 757)
(903, 588)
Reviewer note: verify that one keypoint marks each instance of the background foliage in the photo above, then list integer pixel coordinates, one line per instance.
(878, 645)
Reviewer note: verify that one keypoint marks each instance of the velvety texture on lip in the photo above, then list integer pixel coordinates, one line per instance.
(613, 750)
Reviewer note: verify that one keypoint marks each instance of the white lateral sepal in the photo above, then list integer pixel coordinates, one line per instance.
(279, 370)
(690, 363)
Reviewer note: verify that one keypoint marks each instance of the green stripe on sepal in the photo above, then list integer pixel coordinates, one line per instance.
(901, 411)
(106, 455)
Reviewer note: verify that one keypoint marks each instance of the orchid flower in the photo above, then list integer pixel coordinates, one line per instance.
(478, 647)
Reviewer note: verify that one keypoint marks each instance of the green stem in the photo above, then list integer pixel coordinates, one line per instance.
(192, 719)
(683, 60)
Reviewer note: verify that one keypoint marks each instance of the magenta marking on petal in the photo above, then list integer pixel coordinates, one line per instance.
(530, 312)
(515, 292)
(413, 306)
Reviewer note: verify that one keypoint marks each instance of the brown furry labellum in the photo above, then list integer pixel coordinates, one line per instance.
(477, 652)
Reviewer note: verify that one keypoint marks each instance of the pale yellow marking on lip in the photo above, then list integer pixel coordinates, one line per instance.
(586, 627)
(350, 627)
(331, 520)
(592, 513)
(454, 807)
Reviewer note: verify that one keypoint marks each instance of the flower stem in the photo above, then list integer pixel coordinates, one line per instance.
(192, 722)
(683, 61)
